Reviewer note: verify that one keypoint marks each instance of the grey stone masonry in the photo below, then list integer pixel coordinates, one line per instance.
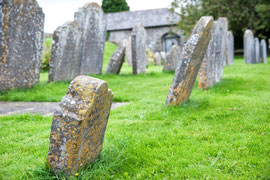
(172, 59)
(257, 50)
(128, 54)
(249, 51)
(116, 61)
(157, 59)
(21, 40)
(78, 46)
(230, 48)
(191, 59)
(263, 49)
(138, 44)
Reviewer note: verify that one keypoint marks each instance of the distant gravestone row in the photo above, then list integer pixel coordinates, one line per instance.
(21, 40)
(254, 51)
(78, 46)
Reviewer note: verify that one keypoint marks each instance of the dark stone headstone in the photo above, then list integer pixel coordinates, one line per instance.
(21, 40)
(230, 48)
(263, 49)
(249, 51)
(116, 61)
(172, 59)
(79, 125)
(257, 50)
(138, 44)
(191, 59)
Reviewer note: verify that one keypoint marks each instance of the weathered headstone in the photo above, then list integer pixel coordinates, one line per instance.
(172, 59)
(157, 59)
(257, 50)
(163, 56)
(224, 42)
(249, 51)
(79, 125)
(192, 56)
(263, 49)
(138, 44)
(79, 46)
(116, 61)
(21, 40)
(230, 48)
(128, 54)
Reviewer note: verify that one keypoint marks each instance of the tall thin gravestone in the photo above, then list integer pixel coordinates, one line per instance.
(230, 48)
(138, 44)
(191, 59)
(257, 50)
(263, 49)
(21, 40)
(249, 51)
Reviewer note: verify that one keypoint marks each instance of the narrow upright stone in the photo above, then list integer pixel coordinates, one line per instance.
(138, 44)
(79, 125)
(172, 59)
(21, 40)
(257, 50)
(116, 61)
(249, 51)
(157, 59)
(230, 48)
(263, 49)
(192, 56)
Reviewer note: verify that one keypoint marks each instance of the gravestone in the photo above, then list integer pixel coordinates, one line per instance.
(21, 40)
(138, 44)
(172, 59)
(230, 48)
(163, 56)
(249, 51)
(116, 61)
(157, 59)
(78, 46)
(257, 50)
(207, 72)
(191, 58)
(224, 41)
(79, 125)
(128, 54)
(263, 49)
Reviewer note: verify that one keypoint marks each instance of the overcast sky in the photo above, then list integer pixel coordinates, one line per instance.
(57, 12)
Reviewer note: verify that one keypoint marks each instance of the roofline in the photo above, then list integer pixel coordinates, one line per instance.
(126, 29)
(137, 10)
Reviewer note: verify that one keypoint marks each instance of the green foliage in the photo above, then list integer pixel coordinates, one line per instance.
(242, 14)
(46, 55)
(109, 6)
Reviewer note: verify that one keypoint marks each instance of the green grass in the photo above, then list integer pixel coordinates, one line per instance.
(221, 133)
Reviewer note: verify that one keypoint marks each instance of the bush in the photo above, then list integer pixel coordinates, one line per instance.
(46, 55)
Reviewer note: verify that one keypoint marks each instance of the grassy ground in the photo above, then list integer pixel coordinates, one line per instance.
(221, 133)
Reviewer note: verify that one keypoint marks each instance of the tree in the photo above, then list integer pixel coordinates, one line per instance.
(241, 14)
(109, 6)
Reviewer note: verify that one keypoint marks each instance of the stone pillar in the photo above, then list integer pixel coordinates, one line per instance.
(79, 125)
(257, 50)
(249, 51)
(116, 61)
(230, 48)
(263, 49)
(192, 56)
(21, 41)
(138, 44)
(172, 59)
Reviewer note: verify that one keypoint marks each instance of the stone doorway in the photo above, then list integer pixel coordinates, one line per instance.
(169, 40)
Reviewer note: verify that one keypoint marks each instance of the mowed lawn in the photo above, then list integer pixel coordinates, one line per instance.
(221, 133)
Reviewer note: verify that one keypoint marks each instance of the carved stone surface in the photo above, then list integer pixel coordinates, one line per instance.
(116, 61)
(172, 59)
(263, 49)
(192, 56)
(230, 48)
(138, 44)
(257, 50)
(79, 125)
(249, 51)
(21, 40)
(78, 46)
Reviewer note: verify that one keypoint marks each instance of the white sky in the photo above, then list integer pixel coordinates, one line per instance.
(57, 12)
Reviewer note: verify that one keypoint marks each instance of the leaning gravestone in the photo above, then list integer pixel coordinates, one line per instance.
(172, 59)
(192, 55)
(116, 61)
(79, 125)
(21, 40)
(249, 52)
(257, 50)
(230, 48)
(78, 46)
(138, 44)
(263, 49)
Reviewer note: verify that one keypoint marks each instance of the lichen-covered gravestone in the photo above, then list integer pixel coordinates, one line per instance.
(263, 49)
(21, 39)
(230, 48)
(78, 46)
(79, 125)
(249, 51)
(192, 56)
(172, 59)
(116, 61)
(138, 45)
(257, 50)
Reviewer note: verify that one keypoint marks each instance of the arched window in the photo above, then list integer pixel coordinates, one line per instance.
(169, 40)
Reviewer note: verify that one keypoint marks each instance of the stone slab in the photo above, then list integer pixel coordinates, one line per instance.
(263, 48)
(172, 59)
(257, 50)
(249, 51)
(116, 61)
(230, 48)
